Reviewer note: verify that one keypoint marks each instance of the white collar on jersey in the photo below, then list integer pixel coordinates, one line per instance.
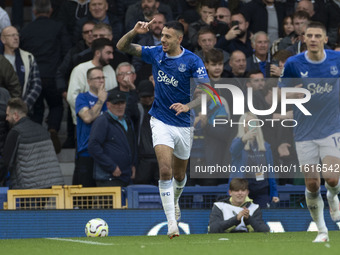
(316, 62)
(178, 56)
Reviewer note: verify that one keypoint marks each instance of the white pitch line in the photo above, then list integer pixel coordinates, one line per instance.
(79, 241)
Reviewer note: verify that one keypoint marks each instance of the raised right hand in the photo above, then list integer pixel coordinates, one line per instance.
(142, 27)
(250, 135)
(102, 94)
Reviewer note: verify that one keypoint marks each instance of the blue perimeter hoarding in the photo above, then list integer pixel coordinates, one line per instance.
(132, 222)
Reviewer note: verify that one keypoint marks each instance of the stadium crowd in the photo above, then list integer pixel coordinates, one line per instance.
(69, 52)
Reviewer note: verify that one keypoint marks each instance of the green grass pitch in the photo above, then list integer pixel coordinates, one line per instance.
(233, 244)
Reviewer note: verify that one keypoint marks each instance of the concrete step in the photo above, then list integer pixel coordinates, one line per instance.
(66, 160)
(67, 170)
(67, 156)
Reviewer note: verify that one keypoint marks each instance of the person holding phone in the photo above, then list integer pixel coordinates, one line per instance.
(250, 152)
(237, 37)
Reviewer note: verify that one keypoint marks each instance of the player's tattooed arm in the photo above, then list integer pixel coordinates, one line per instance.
(197, 100)
(125, 43)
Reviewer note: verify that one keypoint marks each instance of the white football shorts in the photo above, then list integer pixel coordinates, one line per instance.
(178, 138)
(310, 152)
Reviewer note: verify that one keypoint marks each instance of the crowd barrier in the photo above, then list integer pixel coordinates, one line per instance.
(64, 197)
(132, 197)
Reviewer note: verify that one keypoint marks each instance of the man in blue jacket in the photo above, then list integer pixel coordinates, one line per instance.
(113, 145)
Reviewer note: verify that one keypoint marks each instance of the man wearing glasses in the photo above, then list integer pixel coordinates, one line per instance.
(24, 64)
(102, 54)
(89, 106)
(126, 77)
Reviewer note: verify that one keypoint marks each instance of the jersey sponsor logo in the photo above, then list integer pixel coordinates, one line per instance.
(92, 103)
(304, 75)
(163, 77)
(182, 67)
(200, 70)
(334, 70)
(319, 89)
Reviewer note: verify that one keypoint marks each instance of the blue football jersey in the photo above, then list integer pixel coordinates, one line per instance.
(88, 100)
(172, 82)
(322, 80)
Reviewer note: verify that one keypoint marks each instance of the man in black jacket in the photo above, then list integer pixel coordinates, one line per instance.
(49, 42)
(237, 213)
(267, 16)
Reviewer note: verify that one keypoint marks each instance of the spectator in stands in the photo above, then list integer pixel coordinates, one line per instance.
(278, 61)
(250, 149)
(102, 53)
(265, 15)
(89, 106)
(64, 72)
(102, 30)
(333, 21)
(71, 11)
(147, 171)
(28, 153)
(223, 15)
(206, 135)
(186, 18)
(49, 42)
(152, 38)
(237, 37)
(144, 10)
(300, 21)
(315, 15)
(4, 19)
(207, 41)
(24, 64)
(288, 30)
(113, 144)
(70, 60)
(237, 213)
(256, 80)
(4, 97)
(238, 65)
(98, 14)
(207, 10)
(126, 77)
(260, 60)
(8, 78)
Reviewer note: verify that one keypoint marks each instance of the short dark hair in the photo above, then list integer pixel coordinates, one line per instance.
(205, 30)
(239, 13)
(238, 184)
(317, 24)
(175, 25)
(89, 71)
(17, 104)
(42, 6)
(282, 55)
(89, 22)
(209, 3)
(214, 55)
(301, 15)
(100, 44)
(255, 71)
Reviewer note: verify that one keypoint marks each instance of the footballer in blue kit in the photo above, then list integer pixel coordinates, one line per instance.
(317, 136)
(172, 67)
(172, 78)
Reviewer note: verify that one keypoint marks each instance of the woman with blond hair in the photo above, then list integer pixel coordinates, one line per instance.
(252, 156)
